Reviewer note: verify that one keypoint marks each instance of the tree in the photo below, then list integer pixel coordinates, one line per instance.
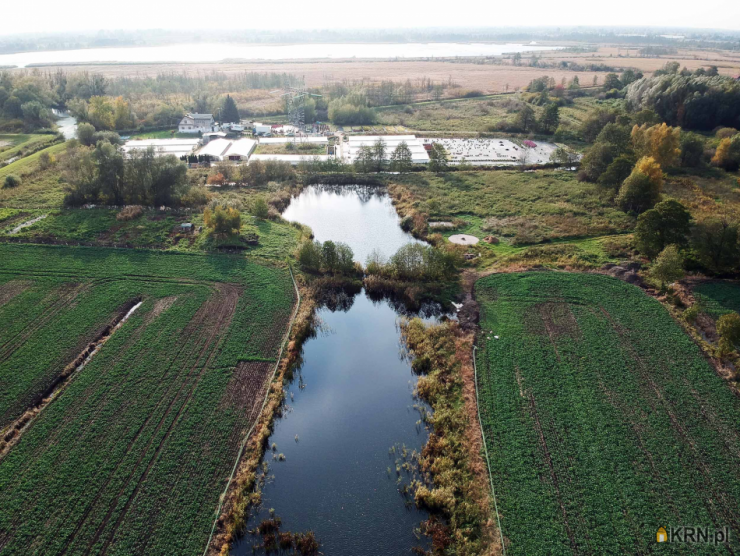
(35, 114)
(564, 156)
(618, 170)
(668, 267)
(611, 82)
(379, 154)
(642, 189)
(574, 84)
(223, 221)
(715, 243)
(596, 161)
(85, 133)
(728, 327)
(401, 159)
(550, 119)
(11, 181)
(525, 119)
(101, 113)
(437, 158)
(259, 208)
(309, 256)
(229, 112)
(330, 257)
(661, 142)
(692, 150)
(727, 155)
(365, 161)
(668, 223)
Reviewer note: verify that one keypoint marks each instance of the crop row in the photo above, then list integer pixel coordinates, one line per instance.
(132, 457)
(603, 420)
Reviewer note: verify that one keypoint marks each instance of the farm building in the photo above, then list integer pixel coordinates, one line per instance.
(261, 129)
(294, 159)
(226, 149)
(418, 152)
(197, 123)
(162, 147)
(280, 140)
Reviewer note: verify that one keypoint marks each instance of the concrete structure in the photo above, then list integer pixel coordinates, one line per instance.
(294, 159)
(197, 123)
(177, 147)
(226, 149)
(418, 152)
(494, 152)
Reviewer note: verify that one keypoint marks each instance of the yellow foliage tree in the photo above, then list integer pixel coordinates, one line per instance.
(123, 118)
(651, 168)
(661, 142)
(223, 221)
(101, 113)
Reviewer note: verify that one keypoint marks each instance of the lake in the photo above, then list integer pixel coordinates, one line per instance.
(350, 409)
(216, 52)
(362, 217)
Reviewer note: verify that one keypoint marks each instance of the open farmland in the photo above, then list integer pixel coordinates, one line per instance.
(132, 453)
(718, 298)
(603, 420)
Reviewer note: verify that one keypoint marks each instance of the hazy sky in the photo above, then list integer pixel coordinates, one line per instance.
(74, 15)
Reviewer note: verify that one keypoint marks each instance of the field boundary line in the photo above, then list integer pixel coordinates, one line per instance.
(264, 402)
(485, 448)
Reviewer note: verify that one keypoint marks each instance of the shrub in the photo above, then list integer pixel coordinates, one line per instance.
(11, 181)
(223, 221)
(728, 327)
(642, 189)
(668, 266)
(130, 212)
(259, 208)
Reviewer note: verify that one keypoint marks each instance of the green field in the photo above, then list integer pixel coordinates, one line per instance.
(18, 144)
(132, 455)
(603, 420)
(718, 298)
(518, 207)
(473, 114)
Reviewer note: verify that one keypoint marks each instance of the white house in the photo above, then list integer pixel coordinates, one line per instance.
(195, 123)
(226, 149)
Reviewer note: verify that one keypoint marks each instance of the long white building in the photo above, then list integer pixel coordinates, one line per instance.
(418, 152)
(227, 149)
(177, 147)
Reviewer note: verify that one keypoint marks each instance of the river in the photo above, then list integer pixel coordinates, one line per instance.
(217, 52)
(350, 407)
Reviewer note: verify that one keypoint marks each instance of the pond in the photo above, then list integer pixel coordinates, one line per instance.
(351, 416)
(216, 52)
(362, 217)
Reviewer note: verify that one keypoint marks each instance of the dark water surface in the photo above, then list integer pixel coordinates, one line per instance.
(348, 405)
(362, 217)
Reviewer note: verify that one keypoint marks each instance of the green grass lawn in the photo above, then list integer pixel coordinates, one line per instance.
(132, 456)
(18, 144)
(603, 420)
(518, 207)
(39, 189)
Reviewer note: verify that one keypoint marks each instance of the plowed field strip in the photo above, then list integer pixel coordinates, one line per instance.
(186, 343)
(226, 309)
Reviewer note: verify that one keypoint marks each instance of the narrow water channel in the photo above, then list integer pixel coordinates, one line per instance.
(350, 408)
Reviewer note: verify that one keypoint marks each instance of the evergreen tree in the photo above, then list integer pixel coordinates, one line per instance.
(229, 112)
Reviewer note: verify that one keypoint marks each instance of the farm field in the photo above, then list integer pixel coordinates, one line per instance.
(603, 420)
(718, 298)
(132, 454)
(473, 114)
